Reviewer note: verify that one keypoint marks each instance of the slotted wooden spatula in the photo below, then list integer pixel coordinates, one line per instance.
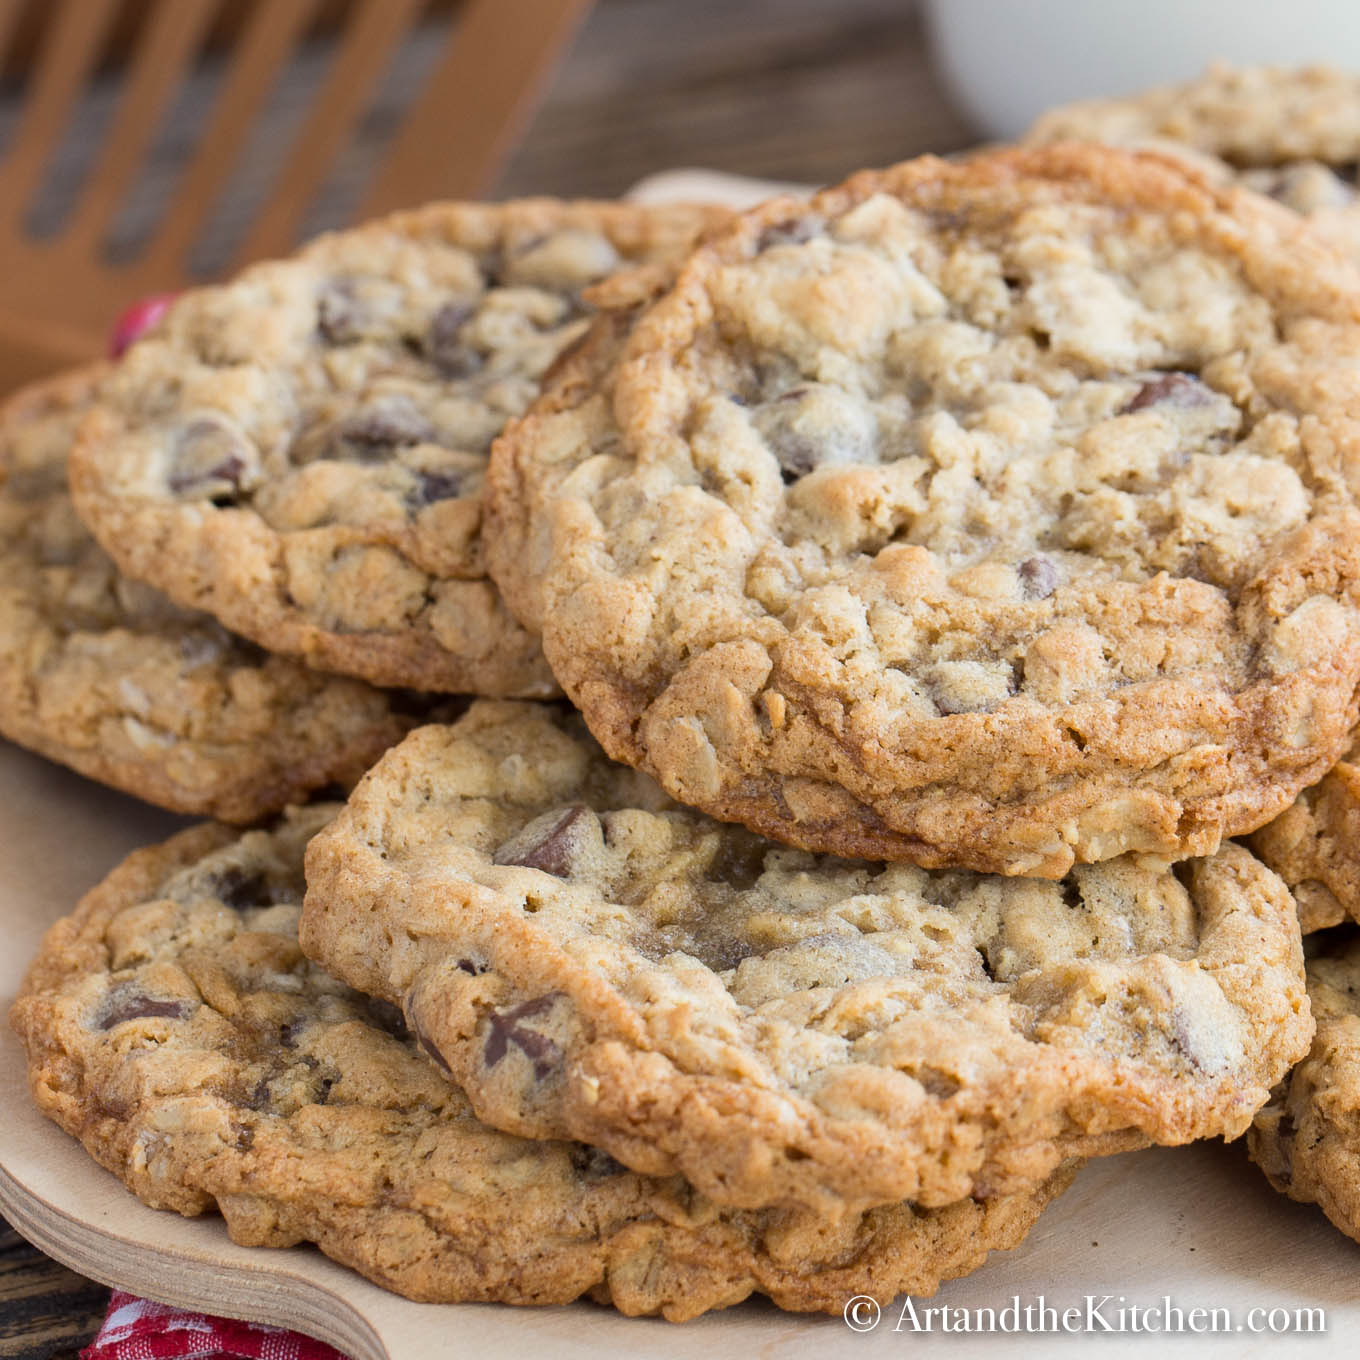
(60, 292)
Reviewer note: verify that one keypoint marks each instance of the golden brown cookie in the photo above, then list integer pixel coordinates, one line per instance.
(590, 960)
(997, 514)
(1307, 1139)
(300, 452)
(1314, 845)
(174, 1027)
(109, 677)
(1290, 132)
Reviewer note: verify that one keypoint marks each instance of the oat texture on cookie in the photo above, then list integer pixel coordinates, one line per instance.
(1290, 132)
(174, 1027)
(109, 677)
(301, 451)
(998, 514)
(1307, 1139)
(589, 959)
(1314, 845)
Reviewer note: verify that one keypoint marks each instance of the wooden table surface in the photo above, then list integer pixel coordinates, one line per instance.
(803, 90)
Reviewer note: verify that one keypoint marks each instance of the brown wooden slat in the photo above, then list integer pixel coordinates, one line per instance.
(10, 13)
(264, 47)
(375, 28)
(69, 52)
(170, 37)
(45, 1309)
(475, 103)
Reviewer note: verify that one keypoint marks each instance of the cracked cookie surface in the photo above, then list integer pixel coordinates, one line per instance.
(996, 514)
(107, 676)
(1314, 845)
(1307, 1139)
(174, 1027)
(301, 451)
(591, 960)
(1292, 133)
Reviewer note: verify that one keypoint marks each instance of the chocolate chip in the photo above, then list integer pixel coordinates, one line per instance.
(386, 1017)
(1286, 1132)
(739, 860)
(435, 1055)
(245, 1138)
(128, 1003)
(591, 1164)
(210, 459)
(552, 842)
(1181, 390)
(506, 1029)
(812, 426)
(794, 232)
(437, 486)
(1038, 578)
(447, 352)
(240, 888)
(339, 316)
(471, 969)
(388, 423)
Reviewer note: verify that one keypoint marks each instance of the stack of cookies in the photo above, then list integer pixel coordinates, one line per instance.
(854, 698)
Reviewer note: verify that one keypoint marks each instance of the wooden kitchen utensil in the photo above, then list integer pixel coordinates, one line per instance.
(59, 293)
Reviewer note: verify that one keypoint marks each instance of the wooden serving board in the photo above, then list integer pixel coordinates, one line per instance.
(1198, 1225)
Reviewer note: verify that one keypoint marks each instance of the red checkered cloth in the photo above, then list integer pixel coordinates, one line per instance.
(137, 1329)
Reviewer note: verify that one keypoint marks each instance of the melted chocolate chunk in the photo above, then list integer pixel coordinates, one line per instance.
(240, 888)
(210, 459)
(796, 453)
(1287, 1131)
(435, 1055)
(339, 315)
(811, 426)
(1171, 389)
(130, 1004)
(447, 352)
(506, 1029)
(1038, 578)
(370, 435)
(437, 486)
(551, 842)
(386, 1017)
(591, 1164)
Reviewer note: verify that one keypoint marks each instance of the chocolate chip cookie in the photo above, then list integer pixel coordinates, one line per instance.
(1307, 1139)
(1314, 845)
(301, 452)
(174, 1027)
(590, 960)
(997, 514)
(1292, 133)
(109, 677)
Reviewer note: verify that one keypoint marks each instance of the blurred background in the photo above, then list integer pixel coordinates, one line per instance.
(147, 144)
